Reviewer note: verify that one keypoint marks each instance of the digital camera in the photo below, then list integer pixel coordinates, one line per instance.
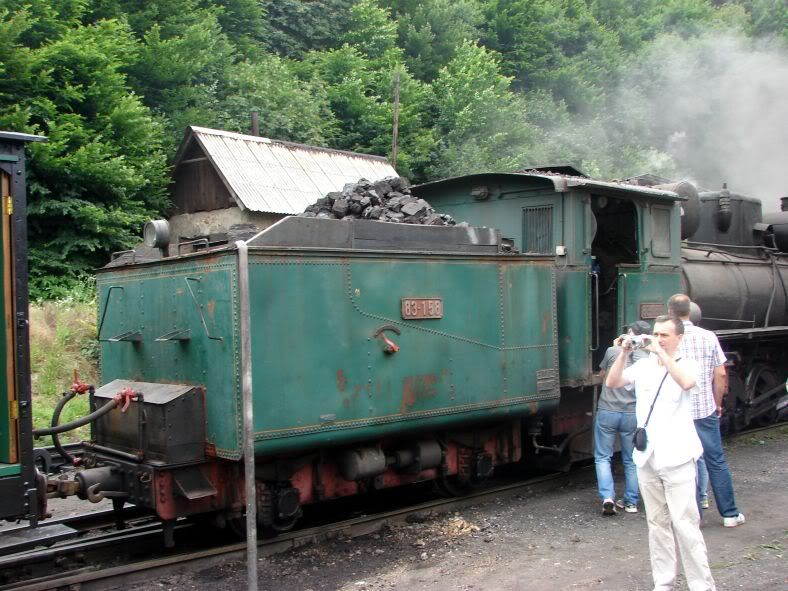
(636, 341)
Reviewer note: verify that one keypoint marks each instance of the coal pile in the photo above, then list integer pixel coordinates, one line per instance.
(387, 200)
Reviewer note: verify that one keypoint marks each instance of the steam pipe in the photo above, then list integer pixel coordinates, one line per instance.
(76, 424)
(67, 397)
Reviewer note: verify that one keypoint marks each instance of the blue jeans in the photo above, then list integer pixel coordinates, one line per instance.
(607, 426)
(720, 476)
(703, 478)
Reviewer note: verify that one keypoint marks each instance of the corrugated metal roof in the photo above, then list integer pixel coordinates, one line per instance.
(281, 177)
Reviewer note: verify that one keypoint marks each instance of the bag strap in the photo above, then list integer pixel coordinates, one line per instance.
(657, 394)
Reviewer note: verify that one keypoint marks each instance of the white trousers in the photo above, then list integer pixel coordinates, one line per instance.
(671, 510)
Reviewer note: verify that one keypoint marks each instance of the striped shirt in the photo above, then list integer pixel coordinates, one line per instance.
(702, 346)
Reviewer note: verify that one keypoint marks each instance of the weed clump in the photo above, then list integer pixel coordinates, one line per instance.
(62, 339)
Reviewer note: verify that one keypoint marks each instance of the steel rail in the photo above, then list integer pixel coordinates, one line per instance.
(88, 579)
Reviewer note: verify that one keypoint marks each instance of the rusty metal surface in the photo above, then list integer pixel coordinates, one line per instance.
(280, 177)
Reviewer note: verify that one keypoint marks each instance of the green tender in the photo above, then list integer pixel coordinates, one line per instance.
(320, 377)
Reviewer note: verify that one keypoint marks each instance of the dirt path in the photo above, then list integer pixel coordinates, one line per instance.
(542, 542)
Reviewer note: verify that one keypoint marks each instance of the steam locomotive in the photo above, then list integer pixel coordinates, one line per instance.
(374, 354)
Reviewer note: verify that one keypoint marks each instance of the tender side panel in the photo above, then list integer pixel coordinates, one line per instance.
(176, 323)
(322, 377)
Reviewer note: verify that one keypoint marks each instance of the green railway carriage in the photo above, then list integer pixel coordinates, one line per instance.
(22, 489)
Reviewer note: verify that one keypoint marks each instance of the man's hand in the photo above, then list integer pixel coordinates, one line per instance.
(653, 346)
(623, 342)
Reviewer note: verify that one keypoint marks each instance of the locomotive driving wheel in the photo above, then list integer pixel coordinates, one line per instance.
(761, 392)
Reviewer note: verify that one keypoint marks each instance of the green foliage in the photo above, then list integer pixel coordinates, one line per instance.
(478, 120)
(483, 85)
(182, 64)
(431, 30)
(102, 173)
(62, 339)
(371, 29)
(553, 45)
(289, 108)
(298, 26)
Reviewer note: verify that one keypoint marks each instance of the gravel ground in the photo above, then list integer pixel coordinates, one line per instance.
(543, 541)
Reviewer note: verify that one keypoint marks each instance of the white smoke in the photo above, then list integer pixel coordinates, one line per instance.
(718, 106)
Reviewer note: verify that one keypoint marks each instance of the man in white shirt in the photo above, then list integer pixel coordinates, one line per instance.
(666, 466)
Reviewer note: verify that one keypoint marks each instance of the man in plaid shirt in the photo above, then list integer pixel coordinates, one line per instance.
(702, 346)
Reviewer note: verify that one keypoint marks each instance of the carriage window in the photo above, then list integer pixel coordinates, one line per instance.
(660, 232)
(538, 229)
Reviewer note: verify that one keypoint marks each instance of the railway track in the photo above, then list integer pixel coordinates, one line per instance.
(94, 562)
(84, 563)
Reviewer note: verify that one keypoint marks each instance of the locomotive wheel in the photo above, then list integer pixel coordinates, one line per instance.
(452, 486)
(761, 381)
(278, 509)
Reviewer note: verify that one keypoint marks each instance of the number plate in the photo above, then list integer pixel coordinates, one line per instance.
(651, 311)
(422, 308)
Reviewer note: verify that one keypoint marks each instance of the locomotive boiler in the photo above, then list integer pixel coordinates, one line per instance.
(735, 267)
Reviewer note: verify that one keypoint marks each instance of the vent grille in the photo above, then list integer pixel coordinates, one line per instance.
(538, 229)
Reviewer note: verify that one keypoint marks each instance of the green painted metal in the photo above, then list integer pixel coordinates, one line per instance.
(571, 228)
(8, 158)
(195, 294)
(10, 470)
(574, 320)
(320, 377)
(7, 431)
(637, 287)
(504, 198)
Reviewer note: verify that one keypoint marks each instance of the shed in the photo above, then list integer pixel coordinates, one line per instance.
(224, 179)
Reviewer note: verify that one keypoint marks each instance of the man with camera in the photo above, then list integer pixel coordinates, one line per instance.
(615, 417)
(704, 347)
(666, 449)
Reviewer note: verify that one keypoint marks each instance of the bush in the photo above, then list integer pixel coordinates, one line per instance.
(63, 339)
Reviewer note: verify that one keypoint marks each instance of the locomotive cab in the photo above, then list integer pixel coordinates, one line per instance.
(615, 249)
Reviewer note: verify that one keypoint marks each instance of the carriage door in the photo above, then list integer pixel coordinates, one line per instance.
(8, 418)
(615, 249)
(645, 288)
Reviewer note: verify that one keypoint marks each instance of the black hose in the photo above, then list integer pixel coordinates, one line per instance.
(67, 397)
(77, 423)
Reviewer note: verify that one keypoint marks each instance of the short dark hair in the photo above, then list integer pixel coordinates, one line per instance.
(679, 305)
(640, 327)
(677, 323)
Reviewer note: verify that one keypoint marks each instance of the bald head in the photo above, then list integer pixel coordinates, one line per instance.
(679, 305)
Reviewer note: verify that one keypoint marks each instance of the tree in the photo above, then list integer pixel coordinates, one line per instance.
(181, 67)
(289, 108)
(102, 173)
(431, 30)
(553, 44)
(298, 26)
(478, 120)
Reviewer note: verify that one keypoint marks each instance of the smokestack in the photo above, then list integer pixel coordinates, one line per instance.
(255, 123)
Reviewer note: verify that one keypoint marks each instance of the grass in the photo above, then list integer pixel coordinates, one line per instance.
(62, 339)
